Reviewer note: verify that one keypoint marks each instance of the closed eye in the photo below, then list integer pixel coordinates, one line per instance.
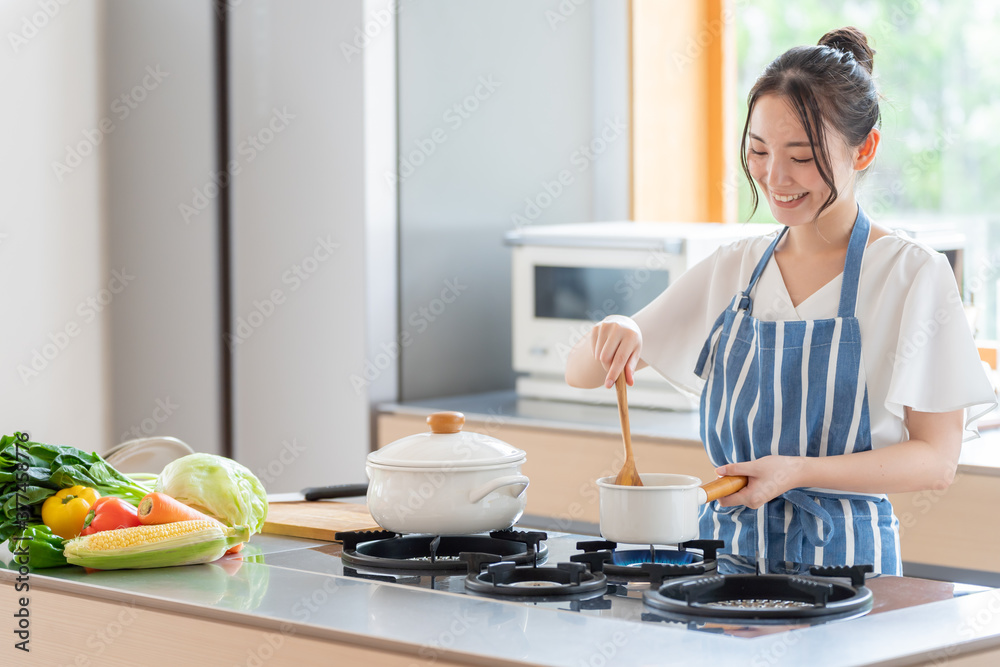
(797, 161)
(753, 152)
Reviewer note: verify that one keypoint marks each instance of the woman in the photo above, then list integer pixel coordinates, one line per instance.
(843, 368)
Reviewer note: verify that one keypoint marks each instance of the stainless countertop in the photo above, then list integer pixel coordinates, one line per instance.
(980, 456)
(281, 585)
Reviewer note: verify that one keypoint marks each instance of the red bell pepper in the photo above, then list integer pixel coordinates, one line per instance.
(109, 513)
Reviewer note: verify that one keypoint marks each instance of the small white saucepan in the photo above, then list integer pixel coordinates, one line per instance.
(664, 510)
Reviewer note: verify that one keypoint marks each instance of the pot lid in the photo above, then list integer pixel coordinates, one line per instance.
(446, 446)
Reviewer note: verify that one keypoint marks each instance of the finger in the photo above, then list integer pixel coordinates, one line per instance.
(600, 340)
(609, 381)
(630, 365)
(617, 366)
(607, 358)
(743, 468)
(606, 352)
(733, 499)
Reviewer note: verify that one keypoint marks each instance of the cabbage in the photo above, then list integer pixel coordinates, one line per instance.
(217, 486)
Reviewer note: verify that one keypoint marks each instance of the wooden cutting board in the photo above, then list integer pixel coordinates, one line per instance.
(317, 520)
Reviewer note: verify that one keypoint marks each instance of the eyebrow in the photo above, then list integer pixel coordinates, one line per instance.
(790, 144)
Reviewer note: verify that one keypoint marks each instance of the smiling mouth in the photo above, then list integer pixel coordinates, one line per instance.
(788, 198)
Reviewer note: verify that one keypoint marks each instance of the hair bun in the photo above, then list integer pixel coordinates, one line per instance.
(853, 41)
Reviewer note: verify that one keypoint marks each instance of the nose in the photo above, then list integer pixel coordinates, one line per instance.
(777, 174)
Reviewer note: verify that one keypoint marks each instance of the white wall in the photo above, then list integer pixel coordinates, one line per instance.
(475, 156)
(301, 306)
(162, 227)
(51, 237)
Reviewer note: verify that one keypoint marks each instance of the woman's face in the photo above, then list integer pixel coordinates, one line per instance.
(780, 159)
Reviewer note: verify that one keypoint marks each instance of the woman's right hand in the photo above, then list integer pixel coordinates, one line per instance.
(617, 345)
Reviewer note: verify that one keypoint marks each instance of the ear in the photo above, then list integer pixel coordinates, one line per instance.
(866, 154)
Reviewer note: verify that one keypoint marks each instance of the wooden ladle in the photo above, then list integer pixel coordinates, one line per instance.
(628, 475)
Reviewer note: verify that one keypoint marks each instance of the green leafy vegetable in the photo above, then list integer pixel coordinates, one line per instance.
(217, 486)
(30, 472)
(43, 549)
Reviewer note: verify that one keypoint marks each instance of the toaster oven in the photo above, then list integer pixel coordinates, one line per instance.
(567, 277)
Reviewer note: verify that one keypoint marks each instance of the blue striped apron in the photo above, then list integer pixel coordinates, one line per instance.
(794, 388)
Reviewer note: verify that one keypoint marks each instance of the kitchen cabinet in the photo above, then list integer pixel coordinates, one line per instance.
(938, 528)
(69, 629)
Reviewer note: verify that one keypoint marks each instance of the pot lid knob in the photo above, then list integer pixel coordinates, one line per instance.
(446, 422)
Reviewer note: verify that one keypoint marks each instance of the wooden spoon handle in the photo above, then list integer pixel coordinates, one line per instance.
(723, 486)
(623, 413)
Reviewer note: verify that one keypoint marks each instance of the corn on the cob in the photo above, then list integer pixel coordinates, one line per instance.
(162, 545)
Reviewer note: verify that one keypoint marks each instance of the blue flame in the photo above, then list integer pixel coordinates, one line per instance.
(631, 557)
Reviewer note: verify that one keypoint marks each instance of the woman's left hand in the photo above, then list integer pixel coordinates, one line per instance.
(767, 478)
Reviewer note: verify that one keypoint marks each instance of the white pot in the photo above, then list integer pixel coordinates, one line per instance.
(446, 482)
(664, 510)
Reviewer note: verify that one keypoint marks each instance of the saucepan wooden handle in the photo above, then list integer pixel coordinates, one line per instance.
(723, 486)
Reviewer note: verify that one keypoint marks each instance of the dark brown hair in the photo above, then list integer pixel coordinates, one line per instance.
(828, 84)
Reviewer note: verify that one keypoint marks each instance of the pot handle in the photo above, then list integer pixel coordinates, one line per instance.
(723, 486)
(498, 483)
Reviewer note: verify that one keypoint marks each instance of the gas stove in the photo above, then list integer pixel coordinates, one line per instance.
(688, 586)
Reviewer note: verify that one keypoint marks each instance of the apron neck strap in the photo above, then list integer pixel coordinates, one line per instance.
(852, 265)
(744, 301)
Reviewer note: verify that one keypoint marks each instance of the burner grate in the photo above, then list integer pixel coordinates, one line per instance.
(768, 596)
(509, 579)
(652, 564)
(437, 553)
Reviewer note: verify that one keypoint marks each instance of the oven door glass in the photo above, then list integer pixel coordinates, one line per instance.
(587, 293)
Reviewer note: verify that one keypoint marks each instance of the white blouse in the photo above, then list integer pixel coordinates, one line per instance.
(916, 344)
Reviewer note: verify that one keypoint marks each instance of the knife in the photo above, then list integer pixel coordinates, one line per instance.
(335, 491)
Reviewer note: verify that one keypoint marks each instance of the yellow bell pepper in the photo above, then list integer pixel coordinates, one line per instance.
(65, 512)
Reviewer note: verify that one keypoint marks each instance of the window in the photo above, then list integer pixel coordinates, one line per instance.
(936, 66)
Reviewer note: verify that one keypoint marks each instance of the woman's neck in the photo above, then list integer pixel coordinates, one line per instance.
(830, 232)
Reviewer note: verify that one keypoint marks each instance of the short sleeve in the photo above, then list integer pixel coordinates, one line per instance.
(936, 366)
(675, 325)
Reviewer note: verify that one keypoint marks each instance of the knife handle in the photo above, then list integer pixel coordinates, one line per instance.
(335, 491)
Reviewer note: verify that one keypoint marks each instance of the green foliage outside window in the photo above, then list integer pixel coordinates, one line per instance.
(937, 64)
